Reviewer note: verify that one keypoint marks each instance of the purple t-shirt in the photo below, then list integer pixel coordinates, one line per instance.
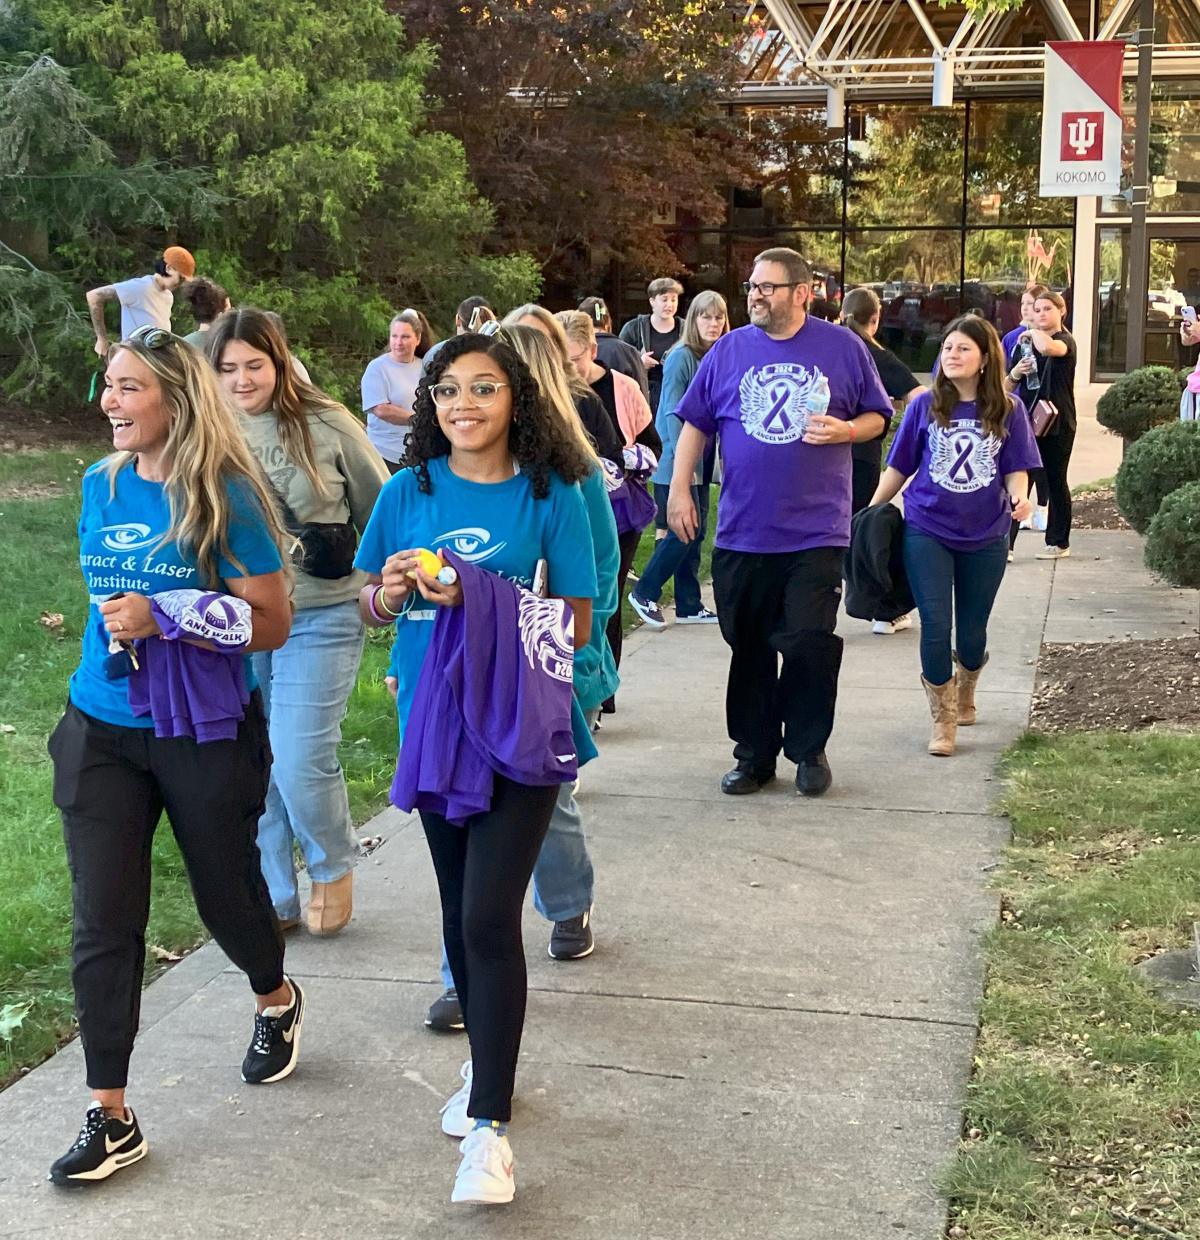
(779, 493)
(957, 493)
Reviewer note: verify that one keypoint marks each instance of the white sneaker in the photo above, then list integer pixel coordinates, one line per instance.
(888, 627)
(485, 1175)
(1011, 557)
(455, 1120)
(1038, 520)
(1027, 524)
(1053, 553)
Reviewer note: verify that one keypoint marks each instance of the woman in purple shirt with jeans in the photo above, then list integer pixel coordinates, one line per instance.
(967, 447)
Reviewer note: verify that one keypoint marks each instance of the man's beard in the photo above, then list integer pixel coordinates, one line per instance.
(769, 319)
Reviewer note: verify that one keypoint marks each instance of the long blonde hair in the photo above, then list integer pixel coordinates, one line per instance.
(294, 401)
(541, 356)
(207, 454)
(553, 329)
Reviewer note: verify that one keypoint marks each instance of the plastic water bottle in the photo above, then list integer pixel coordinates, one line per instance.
(1032, 382)
(818, 397)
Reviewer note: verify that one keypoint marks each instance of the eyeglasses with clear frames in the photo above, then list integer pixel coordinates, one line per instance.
(483, 393)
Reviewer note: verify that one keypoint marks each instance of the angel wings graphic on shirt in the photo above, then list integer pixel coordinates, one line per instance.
(774, 401)
(546, 635)
(962, 458)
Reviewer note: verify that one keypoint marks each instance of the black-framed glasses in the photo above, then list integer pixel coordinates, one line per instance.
(151, 337)
(767, 287)
(483, 393)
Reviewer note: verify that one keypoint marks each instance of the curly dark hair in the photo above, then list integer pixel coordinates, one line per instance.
(537, 437)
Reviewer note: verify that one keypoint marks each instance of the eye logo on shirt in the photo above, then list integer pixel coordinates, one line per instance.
(774, 401)
(962, 458)
(545, 636)
(128, 536)
(471, 543)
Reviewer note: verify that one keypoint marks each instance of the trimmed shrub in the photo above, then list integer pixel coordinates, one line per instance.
(1137, 402)
(1161, 461)
(1173, 541)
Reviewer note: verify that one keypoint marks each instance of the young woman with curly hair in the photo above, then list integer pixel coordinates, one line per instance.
(491, 473)
(968, 447)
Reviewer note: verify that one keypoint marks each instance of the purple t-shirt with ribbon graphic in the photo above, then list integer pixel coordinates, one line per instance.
(780, 493)
(957, 493)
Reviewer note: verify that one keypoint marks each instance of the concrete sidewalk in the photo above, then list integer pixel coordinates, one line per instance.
(772, 1039)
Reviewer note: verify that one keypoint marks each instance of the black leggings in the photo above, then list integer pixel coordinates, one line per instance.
(483, 871)
(111, 785)
(628, 543)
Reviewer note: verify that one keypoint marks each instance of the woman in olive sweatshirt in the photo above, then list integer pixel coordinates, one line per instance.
(326, 476)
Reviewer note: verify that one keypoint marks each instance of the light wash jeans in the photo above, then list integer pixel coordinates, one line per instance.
(563, 879)
(306, 686)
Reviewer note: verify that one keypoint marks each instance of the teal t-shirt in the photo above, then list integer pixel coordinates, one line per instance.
(120, 552)
(595, 678)
(499, 526)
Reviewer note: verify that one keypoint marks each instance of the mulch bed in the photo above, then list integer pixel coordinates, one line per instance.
(1097, 510)
(35, 429)
(1121, 686)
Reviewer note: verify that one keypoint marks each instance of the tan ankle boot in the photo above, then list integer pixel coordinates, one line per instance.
(967, 680)
(943, 706)
(330, 905)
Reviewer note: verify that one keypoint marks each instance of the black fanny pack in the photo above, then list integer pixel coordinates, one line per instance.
(322, 548)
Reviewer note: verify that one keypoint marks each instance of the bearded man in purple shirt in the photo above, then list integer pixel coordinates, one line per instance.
(787, 396)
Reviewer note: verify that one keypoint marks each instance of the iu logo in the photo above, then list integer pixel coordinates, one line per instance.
(1082, 136)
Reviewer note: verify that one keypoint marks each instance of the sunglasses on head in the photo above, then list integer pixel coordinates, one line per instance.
(153, 337)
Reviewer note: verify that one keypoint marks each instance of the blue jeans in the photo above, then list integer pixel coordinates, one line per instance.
(672, 558)
(563, 879)
(305, 686)
(943, 581)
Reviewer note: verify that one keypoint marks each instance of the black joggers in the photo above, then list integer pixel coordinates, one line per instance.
(628, 543)
(772, 606)
(1056, 458)
(483, 871)
(111, 785)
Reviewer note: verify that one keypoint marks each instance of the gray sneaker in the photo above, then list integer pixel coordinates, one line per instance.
(651, 613)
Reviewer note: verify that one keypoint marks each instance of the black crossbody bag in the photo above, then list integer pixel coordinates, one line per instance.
(322, 549)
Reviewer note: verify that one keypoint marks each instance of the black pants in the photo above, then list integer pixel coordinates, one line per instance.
(771, 606)
(628, 543)
(483, 871)
(864, 478)
(111, 785)
(1056, 457)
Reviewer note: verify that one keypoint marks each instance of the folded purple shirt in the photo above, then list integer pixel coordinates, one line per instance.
(187, 689)
(494, 696)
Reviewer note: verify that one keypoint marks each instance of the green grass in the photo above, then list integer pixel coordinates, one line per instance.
(1086, 1094)
(1089, 488)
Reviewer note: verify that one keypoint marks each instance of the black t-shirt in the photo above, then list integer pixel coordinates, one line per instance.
(606, 390)
(897, 382)
(641, 333)
(598, 425)
(1058, 382)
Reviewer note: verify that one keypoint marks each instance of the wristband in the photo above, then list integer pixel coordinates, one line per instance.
(379, 619)
(853, 431)
(380, 598)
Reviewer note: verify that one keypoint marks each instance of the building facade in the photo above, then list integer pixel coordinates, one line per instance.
(898, 144)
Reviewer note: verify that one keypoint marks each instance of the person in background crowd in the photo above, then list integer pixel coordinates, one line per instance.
(472, 312)
(389, 387)
(968, 446)
(178, 506)
(630, 415)
(788, 395)
(207, 300)
(707, 321)
(1053, 358)
(861, 312)
(823, 308)
(606, 438)
(611, 351)
(1010, 347)
(426, 336)
(654, 334)
(327, 477)
(488, 455)
(145, 300)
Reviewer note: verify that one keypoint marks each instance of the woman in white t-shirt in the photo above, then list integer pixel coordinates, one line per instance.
(389, 386)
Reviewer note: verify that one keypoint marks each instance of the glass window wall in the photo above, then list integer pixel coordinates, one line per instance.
(1174, 153)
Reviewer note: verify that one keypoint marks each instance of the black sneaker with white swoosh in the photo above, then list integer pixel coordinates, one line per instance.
(105, 1144)
(275, 1046)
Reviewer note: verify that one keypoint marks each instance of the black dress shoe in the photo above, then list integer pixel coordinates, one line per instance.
(813, 776)
(744, 779)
